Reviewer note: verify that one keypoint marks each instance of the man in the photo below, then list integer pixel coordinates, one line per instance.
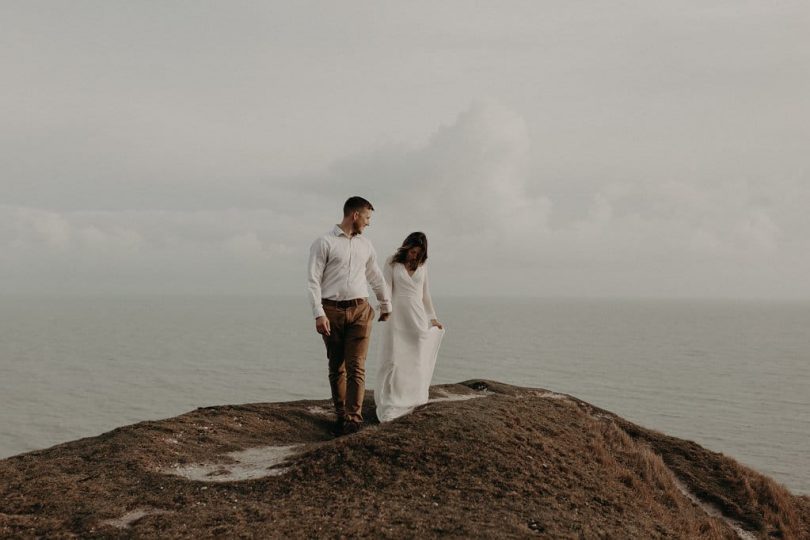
(342, 264)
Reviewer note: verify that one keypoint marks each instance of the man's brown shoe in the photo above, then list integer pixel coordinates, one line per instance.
(351, 427)
(339, 425)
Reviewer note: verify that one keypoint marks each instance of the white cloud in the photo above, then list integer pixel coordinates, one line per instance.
(759, 231)
(113, 240)
(41, 227)
(496, 223)
(467, 184)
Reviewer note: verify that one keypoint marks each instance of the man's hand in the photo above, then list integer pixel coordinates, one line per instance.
(384, 316)
(322, 326)
(435, 322)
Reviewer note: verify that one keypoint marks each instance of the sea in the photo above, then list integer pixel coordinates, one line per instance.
(734, 376)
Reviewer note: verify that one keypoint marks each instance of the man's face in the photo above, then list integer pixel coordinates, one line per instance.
(362, 219)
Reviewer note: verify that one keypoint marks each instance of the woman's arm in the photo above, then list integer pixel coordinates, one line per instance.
(428, 302)
(388, 275)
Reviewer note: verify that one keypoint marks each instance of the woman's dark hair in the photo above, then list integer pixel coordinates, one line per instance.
(415, 239)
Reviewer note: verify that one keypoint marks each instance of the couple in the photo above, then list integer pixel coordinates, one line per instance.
(342, 265)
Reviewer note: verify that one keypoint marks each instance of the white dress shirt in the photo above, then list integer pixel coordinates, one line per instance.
(341, 267)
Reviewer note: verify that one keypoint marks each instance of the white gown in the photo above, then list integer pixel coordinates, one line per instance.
(409, 344)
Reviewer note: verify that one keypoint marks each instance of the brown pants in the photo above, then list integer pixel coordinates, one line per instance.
(346, 349)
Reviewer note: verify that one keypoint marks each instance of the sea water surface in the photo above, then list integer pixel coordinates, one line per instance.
(733, 376)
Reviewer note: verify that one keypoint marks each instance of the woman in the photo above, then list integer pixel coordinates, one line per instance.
(412, 335)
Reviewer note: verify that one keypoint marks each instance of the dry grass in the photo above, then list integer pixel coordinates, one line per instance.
(760, 503)
(510, 465)
(638, 467)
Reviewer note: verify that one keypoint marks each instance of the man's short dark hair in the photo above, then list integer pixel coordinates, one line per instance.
(355, 204)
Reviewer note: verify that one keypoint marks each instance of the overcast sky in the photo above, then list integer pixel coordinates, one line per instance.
(628, 148)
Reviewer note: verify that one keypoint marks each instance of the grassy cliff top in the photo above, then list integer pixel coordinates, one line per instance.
(483, 459)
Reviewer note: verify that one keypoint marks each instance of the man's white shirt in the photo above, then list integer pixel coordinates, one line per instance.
(341, 267)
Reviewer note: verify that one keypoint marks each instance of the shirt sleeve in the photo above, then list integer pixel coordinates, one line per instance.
(375, 278)
(426, 299)
(317, 261)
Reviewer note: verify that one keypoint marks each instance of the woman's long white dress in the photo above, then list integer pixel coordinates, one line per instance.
(409, 344)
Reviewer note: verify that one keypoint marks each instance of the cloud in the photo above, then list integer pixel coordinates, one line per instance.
(468, 181)
(41, 227)
(500, 217)
(759, 230)
(465, 185)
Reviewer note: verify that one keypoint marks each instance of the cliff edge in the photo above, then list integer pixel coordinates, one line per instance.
(482, 459)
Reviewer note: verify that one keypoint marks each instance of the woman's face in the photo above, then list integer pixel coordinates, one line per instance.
(414, 254)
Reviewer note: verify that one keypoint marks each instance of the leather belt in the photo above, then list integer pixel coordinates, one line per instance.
(343, 304)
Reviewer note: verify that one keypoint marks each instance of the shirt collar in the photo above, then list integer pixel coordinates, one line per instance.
(337, 231)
